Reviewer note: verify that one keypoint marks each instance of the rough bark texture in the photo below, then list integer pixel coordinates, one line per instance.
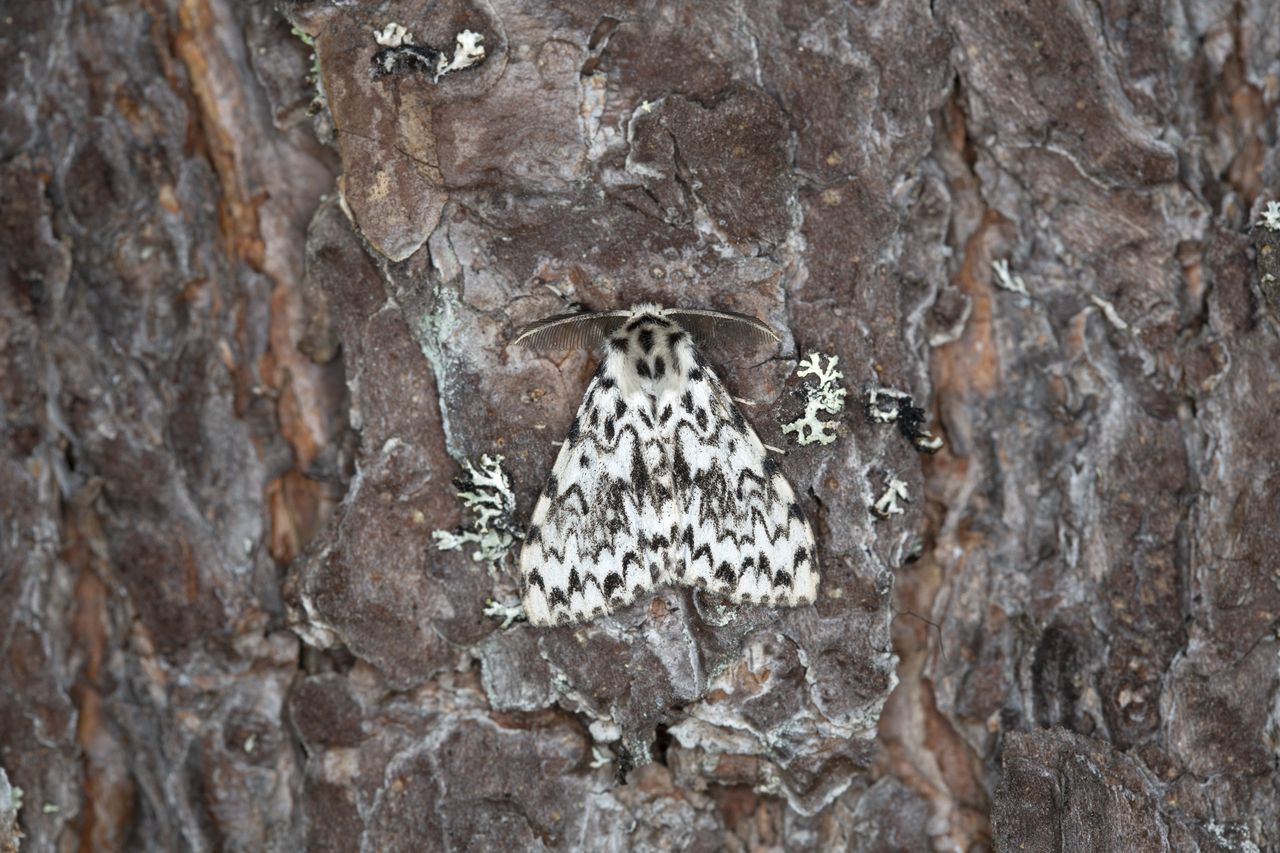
(250, 332)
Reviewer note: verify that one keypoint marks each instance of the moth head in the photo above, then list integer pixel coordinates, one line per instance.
(705, 326)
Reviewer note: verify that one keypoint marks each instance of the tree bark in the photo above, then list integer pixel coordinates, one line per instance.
(263, 266)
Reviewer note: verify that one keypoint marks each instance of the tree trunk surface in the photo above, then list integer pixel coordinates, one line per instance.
(262, 271)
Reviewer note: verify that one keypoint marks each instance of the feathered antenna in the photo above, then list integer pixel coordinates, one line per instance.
(708, 326)
(571, 331)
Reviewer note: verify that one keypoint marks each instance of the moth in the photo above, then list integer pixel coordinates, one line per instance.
(660, 479)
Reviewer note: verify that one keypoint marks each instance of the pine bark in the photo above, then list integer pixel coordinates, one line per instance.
(257, 305)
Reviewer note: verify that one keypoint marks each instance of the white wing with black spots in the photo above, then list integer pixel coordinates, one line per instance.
(661, 479)
(601, 531)
(742, 533)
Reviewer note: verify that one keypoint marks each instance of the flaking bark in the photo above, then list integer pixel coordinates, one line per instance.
(258, 297)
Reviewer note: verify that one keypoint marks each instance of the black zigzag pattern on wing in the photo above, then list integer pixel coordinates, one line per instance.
(745, 535)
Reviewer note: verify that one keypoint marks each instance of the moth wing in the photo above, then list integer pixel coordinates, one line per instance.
(600, 534)
(742, 533)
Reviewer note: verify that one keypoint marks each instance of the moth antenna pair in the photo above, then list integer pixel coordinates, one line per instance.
(573, 331)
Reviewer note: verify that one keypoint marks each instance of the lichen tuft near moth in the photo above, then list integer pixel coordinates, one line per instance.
(400, 54)
(888, 405)
(486, 494)
(660, 479)
(1271, 216)
(827, 396)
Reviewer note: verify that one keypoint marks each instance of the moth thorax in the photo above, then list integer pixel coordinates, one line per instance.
(650, 354)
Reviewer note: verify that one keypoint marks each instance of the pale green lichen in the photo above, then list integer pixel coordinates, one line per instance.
(887, 504)
(393, 35)
(1008, 280)
(319, 100)
(600, 758)
(437, 326)
(486, 494)
(884, 405)
(10, 806)
(888, 405)
(467, 52)
(508, 613)
(1271, 216)
(827, 396)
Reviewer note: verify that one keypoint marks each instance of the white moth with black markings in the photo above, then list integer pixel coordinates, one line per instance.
(661, 479)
